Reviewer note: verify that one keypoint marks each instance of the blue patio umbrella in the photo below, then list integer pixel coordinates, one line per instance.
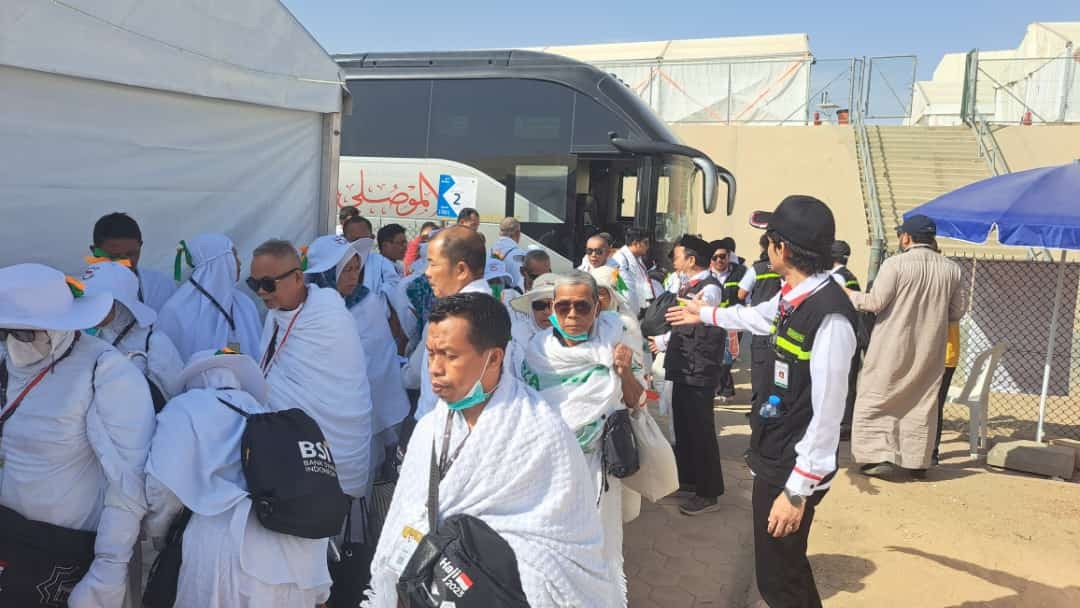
(1036, 208)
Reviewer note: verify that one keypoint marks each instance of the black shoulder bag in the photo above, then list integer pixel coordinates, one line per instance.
(463, 563)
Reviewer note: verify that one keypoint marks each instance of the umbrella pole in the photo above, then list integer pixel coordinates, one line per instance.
(1054, 320)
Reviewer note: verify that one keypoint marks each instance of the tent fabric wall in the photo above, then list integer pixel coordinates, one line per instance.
(75, 149)
(242, 50)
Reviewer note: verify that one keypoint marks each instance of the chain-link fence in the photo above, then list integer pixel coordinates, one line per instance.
(1011, 302)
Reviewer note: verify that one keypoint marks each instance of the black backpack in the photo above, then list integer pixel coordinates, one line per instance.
(462, 563)
(291, 477)
(653, 322)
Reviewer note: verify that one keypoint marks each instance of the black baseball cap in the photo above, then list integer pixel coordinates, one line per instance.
(840, 249)
(918, 226)
(804, 221)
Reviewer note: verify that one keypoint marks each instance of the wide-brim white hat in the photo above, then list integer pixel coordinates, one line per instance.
(35, 296)
(119, 282)
(327, 252)
(543, 289)
(245, 369)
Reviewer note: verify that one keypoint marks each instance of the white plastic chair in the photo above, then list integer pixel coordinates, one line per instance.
(975, 394)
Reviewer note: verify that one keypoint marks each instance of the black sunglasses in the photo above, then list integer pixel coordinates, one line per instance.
(599, 251)
(720, 256)
(541, 305)
(267, 284)
(581, 307)
(25, 336)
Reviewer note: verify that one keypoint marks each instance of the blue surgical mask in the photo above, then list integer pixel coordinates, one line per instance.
(476, 396)
(578, 338)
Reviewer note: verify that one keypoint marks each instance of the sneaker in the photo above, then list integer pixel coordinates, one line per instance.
(698, 505)
(686, 489)
(879, 469)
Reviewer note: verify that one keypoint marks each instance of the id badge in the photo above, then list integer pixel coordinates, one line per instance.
(781, 373)
(411, 535)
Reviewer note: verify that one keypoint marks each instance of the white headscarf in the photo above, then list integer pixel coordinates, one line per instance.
(192, 321)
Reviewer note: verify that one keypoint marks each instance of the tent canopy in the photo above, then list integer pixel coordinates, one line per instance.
(252, 51)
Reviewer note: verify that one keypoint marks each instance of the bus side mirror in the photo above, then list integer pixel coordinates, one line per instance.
(712, 174)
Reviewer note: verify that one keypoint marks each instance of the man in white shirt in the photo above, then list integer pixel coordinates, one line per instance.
(597, 252)
(508, 249)
(117, 237)
(796, 431)
(630, 260)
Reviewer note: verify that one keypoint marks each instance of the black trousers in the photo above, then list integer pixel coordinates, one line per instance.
(697, 453)
(784, 577)
(853, 381)
(727, 382)
(942, 394)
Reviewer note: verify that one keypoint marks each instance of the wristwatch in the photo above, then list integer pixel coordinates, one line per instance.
(795, 500)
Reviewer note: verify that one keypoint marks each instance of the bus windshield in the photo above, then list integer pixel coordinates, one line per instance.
(676, 198)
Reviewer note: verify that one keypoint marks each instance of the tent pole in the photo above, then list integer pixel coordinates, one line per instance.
(1054, 319)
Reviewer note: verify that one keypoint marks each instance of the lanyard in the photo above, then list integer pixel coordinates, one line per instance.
(274, 349)
(123, 333)
(217, 305)
(444, 464)
(786, 308)
(7, 413)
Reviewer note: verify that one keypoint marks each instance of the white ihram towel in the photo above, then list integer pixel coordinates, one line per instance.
(522, 473)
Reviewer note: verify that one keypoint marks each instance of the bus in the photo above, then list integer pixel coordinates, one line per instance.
(564, 147)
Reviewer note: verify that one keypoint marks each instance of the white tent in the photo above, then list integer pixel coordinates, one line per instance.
(742, 79)
(191, 115)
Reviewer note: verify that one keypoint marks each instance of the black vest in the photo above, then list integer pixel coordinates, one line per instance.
(850, 281)
(767, 283)
(695, 352)
(773, 439)
(730, 288)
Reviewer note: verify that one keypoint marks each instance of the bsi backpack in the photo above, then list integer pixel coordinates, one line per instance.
(290, 472)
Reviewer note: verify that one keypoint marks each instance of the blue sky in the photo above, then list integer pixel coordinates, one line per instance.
(870, 27)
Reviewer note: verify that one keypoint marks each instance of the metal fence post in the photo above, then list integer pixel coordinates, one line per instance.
(729, 76)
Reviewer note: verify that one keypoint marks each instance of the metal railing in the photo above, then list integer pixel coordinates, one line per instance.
(873, 202)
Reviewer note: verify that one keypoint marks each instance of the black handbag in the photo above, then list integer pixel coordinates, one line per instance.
(620, 457)
(351, 571)
(40, 563)
(161, 583)
(463, 563)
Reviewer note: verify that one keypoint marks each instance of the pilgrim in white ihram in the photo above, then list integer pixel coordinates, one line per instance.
(229, 559)
(74, 450)
(209, 311)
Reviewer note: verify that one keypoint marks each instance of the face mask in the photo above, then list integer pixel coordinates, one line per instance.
(578, 338)
(25, 354)
(476, 396)
(92, 331)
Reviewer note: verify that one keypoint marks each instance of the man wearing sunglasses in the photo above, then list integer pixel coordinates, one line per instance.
(796, 431)
(537, 263)
(729, 272)
(76, 420)
(313, 359)
(582, 366)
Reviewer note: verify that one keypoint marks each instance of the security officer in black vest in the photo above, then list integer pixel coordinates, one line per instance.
(796, 431)
(693, 362)
(841, 251)
(765, 287)
(729, 271)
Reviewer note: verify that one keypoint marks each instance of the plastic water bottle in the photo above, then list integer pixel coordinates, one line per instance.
(771, 408)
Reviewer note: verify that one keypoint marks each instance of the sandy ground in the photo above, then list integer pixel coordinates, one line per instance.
(967, 536)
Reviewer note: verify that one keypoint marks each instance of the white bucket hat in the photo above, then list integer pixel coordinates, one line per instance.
(496, 269)
(243, 367)
(121, 284)
(543, 289)
(329, 251)
(34, 296)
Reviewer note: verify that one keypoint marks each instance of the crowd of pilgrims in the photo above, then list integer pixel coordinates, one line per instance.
(116, 375)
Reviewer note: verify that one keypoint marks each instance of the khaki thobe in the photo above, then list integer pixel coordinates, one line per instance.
(916, 295)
